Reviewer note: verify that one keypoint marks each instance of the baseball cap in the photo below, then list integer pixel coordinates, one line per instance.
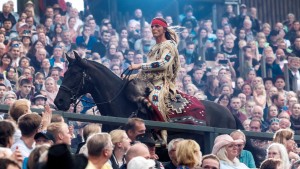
(44, 134)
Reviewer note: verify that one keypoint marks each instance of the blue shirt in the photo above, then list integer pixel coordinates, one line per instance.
(89, 45)
(246, 157)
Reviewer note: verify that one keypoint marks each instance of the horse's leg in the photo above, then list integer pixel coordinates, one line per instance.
(218, 116)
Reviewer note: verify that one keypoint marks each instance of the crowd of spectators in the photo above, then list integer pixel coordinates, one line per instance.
(32, 66)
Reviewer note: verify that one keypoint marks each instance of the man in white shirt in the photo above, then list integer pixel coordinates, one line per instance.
(29, 125)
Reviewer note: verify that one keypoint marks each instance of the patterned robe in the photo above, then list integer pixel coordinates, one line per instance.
(160, 71)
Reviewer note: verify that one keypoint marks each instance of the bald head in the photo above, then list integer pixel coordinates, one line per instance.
(257, 112)
(138, 149)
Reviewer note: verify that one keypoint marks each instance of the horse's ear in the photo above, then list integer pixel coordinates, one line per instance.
(70, 60)
(77, 57)
(79, 60)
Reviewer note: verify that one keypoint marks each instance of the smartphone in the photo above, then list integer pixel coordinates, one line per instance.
(223, 62)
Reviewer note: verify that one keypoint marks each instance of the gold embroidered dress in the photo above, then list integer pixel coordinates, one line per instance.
(161, 71)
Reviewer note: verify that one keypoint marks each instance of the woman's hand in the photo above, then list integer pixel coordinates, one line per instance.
(135, 66)
(254, 93)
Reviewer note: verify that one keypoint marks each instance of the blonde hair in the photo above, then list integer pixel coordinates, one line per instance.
(222, 155)
(54, 83)
(19, 108)
(250, 102)
(283, 135)
(55, 129)
(260, 86)
(186, 155)
(91, 129)
(117, 135)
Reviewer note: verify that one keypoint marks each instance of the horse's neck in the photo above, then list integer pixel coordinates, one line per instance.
(115, 105)
(104, 83)
(108, 94)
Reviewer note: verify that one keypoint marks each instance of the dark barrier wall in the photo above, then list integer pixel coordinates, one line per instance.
(272, 11)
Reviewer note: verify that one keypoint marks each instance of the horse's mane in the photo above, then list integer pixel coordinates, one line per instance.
(101, 67)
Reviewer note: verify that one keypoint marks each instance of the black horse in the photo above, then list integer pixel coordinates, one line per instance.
(109, 93)
(107, 89)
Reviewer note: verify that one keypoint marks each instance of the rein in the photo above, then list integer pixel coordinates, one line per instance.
(82, 83)
(126, 78)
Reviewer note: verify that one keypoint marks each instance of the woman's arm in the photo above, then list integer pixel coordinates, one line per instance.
(160, 64)
(231, 69)
(260, 100)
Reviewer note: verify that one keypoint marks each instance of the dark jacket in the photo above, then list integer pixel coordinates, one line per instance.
(170, 165)
(295, 125)
(291, 77)
(274, 68)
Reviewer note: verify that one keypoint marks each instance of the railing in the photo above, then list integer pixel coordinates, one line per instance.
(209, 133)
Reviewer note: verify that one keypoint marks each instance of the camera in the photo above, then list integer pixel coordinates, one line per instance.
(223, 62)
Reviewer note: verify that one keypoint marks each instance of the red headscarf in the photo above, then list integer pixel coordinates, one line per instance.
(157, 21)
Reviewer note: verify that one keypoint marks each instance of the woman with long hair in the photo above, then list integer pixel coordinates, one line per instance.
(121, 144)
(259, 95)
(184, 38)
(286, 137)
(251, 75)
(123, 45)
(71, 28)
(12, 75)
(228, 31)
(5, 62)
(51, 89)
(278, 151)
(26, 41)
(24, 62)
(226, 149)
(112, 50)
(273, 90)
(295, 118)
(254, 49)
(247, 90)
(224, 100)
(57, 32)
(188, 157)
(272, 112)
(35, 46)
(202, 38)
(163, 57)
(191, 89)
(212, 90)
(239, 83)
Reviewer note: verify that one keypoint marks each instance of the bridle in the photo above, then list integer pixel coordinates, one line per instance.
(85, 77)
(72, 91)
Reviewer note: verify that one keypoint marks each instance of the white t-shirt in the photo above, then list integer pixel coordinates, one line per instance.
(225, 165)
(25, 151)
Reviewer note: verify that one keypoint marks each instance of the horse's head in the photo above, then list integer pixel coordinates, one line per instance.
(73, 84)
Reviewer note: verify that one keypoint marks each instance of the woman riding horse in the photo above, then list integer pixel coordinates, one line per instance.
(162, 66)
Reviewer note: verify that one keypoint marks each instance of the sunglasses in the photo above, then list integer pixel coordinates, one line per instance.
(27, 32)
(15, 45)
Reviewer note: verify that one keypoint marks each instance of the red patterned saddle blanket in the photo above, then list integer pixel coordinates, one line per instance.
(185, 109)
